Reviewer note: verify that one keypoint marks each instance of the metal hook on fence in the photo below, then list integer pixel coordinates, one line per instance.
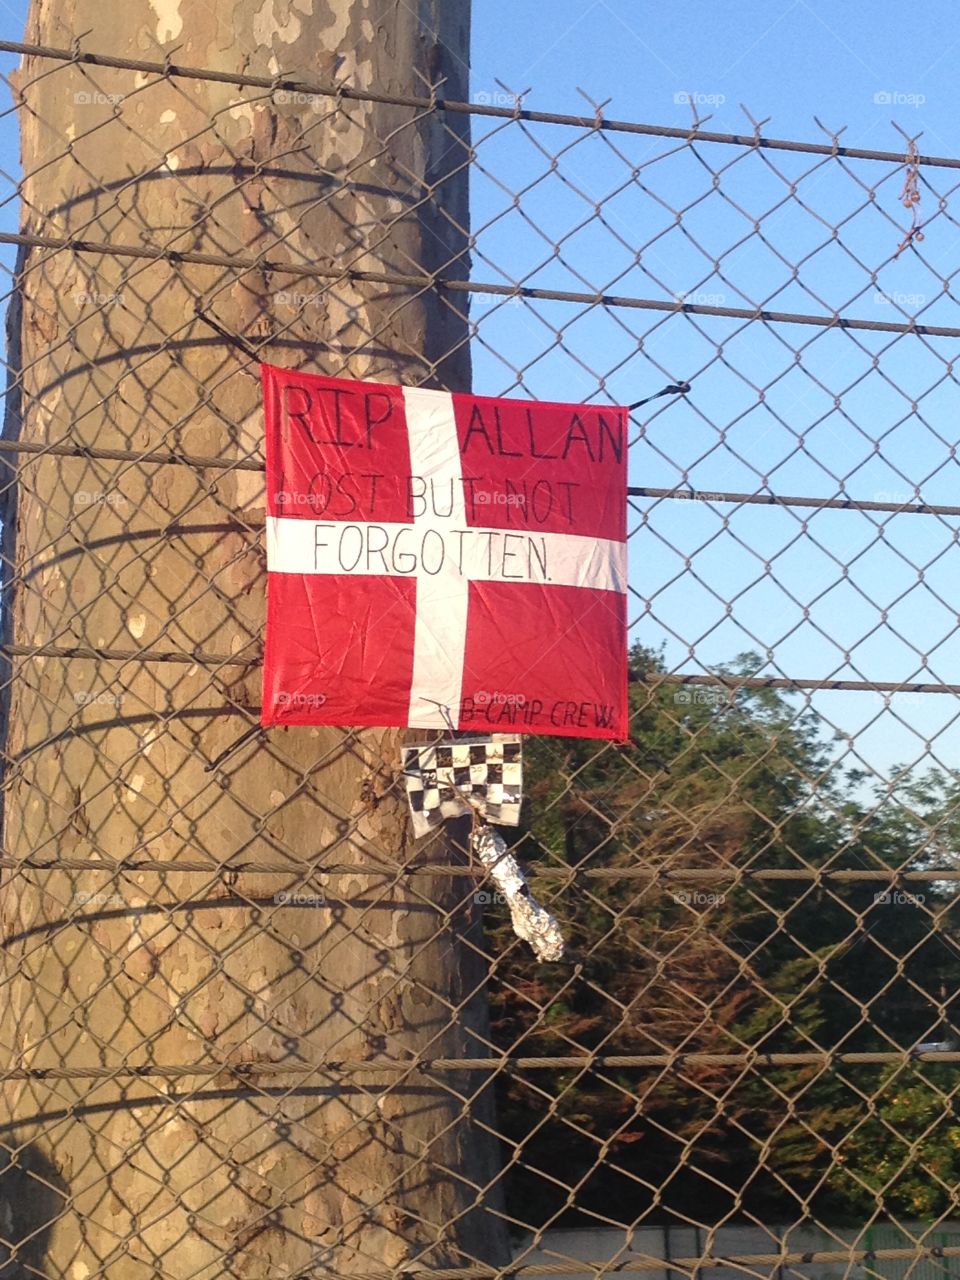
(674, 389)
(444, 711)
(234, 338)
(215, 763)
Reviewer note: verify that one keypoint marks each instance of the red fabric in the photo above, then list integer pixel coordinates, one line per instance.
(472, 499)
(567, 651)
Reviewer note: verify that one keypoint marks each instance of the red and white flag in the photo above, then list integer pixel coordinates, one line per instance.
(443, 560)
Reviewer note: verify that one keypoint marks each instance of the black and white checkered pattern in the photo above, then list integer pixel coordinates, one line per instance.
(444, 781)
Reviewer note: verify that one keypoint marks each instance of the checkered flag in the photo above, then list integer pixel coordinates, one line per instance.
(480, 775)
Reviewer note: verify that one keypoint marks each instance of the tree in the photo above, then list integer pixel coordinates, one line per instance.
(128, 964)
(726, 783)
(709, 783)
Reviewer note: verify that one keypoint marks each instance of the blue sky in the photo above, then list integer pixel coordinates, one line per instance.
(790, 61)
(792, 64)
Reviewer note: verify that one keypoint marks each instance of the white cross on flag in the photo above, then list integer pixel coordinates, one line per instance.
(443, 560)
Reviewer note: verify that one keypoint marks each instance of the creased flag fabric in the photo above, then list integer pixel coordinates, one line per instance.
(441, 560)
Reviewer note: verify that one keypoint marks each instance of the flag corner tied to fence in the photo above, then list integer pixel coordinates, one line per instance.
(443, 560)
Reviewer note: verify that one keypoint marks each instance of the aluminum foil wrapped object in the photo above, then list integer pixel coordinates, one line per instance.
(531, 922)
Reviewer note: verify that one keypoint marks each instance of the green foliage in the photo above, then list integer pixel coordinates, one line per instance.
(903, 1152)
(720, 966)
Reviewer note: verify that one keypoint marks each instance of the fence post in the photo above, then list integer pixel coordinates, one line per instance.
(208, 1160)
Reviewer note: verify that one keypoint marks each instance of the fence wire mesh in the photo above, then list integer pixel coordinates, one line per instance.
(747, 1063)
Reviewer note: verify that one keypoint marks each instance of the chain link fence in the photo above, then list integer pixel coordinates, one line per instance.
(747, 1063)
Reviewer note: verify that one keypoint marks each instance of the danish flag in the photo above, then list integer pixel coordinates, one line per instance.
(442, 560)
